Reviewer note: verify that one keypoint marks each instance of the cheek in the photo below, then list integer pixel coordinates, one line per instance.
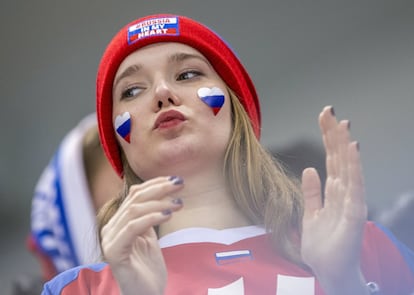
(122, 126)
(218, 110)
(125, 127)
(213, 97)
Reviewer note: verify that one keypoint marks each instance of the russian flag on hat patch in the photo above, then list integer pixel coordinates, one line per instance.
(153, 27)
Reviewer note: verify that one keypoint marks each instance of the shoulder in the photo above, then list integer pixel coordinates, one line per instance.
(387, 261)
(77, 278)
(379, 237)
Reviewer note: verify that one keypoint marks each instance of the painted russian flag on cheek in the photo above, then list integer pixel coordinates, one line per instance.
(213, 97)
(123, 126)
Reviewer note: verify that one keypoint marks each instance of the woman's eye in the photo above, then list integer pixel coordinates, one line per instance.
(188, 75)
(131, 92)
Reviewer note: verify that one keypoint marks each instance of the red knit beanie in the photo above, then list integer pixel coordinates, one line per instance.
(168, 28)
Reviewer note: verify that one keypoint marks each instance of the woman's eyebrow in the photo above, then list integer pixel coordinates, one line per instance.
(181, 56)
(131, 70)
(174, 58)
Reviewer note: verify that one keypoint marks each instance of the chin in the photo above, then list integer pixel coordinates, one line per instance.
(178, 153)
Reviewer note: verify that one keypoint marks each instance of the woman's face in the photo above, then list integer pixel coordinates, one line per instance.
(179, 111)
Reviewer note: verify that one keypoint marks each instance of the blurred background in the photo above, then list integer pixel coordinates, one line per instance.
(302, 55)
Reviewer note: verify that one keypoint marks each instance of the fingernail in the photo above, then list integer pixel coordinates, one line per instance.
(332, 111)
(357, 145)
(177, 201)
(349, 125)
(166, 212)
(176, 180)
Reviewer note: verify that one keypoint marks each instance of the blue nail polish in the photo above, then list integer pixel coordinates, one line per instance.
(176, 180)
(177, 201)
(166, 212)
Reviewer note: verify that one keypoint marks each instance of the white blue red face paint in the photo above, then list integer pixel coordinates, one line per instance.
(123, 126)
(213, 97)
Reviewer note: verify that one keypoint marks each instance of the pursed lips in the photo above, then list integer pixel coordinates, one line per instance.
(168, 116)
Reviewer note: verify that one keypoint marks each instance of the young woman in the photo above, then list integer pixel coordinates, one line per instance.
(206, 210)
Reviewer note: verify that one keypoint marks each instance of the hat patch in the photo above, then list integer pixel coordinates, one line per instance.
(153, 27)
(213, 97)
(123, 126)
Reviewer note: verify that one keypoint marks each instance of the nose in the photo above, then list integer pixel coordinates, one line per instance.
(164, 96)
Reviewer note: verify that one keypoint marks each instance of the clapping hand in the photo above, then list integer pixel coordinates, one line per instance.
(333, 227)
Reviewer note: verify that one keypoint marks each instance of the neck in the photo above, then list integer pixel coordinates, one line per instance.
(206, 204)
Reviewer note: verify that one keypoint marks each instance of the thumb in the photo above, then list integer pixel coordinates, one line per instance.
(311, 189)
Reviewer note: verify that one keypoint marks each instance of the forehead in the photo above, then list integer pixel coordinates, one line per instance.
(156, 52)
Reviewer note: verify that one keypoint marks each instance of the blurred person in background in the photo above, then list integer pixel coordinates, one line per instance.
(72, 188)
(399, 218)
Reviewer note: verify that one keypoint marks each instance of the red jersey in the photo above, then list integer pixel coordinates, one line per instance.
(241, 261)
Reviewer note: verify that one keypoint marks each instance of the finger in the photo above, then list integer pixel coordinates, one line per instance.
(343, 141)
(327, 119)
(355, 206)
(356, 191)
(328, 124)
(157, 180)
(155, 189)
(136, 211)
(311, 189)
(335, 189)
(335, 195)
(145, 184)
(122, 242)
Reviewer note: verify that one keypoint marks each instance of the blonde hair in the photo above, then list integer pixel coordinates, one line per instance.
(259, 185)
(93, 154)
